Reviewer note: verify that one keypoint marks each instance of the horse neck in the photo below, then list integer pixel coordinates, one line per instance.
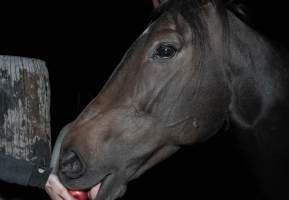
(257, 74)
(259, 111)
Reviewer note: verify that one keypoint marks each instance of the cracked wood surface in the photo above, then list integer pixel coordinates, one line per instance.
(24, 109)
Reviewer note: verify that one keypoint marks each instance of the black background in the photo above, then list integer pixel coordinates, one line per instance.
(82, 43)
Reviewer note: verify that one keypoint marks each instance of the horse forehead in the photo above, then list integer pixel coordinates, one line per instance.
(165, 22)
(169, 23)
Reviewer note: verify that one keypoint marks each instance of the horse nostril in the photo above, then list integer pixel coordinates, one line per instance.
(71, 165)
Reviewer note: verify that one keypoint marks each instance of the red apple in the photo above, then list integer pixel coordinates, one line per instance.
(79, 195)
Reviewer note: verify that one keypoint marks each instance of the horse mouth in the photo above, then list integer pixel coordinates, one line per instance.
(94, 192)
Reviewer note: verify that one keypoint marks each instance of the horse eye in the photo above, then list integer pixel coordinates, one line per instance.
(165, 51)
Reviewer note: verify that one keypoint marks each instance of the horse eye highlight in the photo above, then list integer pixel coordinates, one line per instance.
(164, 51)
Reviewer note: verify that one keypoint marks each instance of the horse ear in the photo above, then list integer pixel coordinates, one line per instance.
(157, 3)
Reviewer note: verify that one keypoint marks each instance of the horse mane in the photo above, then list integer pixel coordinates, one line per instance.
(190, 10)
(237, 7)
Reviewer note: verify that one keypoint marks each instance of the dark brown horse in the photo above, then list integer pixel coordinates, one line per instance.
(196, 67)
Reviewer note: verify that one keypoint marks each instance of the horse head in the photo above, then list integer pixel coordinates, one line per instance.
(169, 90)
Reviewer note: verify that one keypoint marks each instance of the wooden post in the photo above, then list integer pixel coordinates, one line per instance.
(25, 109)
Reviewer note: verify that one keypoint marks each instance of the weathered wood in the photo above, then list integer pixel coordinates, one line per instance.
(24, 109)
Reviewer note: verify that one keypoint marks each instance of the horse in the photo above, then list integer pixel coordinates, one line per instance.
(196, 68)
